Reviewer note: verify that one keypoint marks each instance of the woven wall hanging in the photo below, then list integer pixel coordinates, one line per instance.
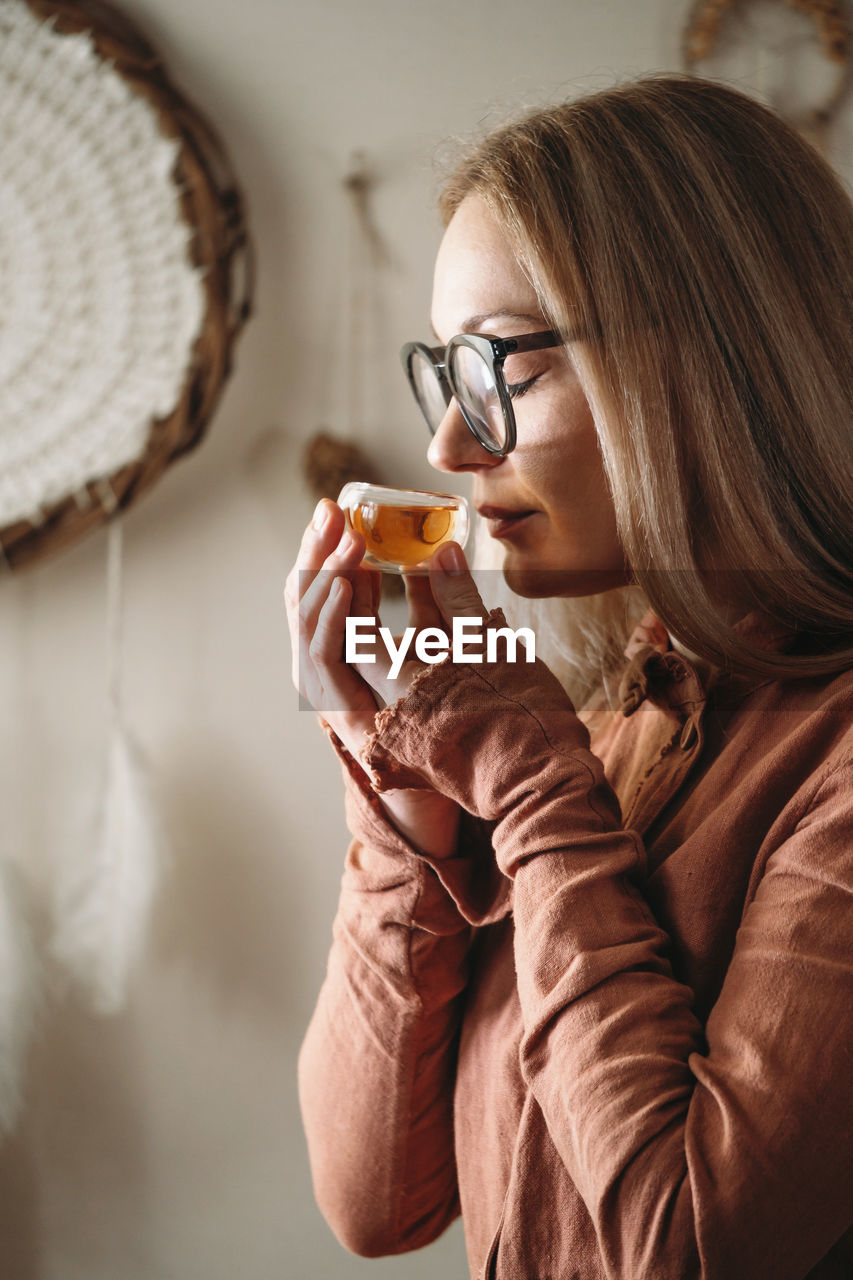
(331, 460)
(707, 19)
(125, 266)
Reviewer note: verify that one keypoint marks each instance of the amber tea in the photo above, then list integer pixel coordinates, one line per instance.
(403, 535)
(403, 528)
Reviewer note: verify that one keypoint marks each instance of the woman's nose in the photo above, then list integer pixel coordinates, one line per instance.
(454, 447)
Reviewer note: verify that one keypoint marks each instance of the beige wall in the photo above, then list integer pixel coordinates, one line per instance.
(166, 1142)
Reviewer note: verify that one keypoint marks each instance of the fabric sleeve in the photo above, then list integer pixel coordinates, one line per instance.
(723, 1152)
(378, 1062)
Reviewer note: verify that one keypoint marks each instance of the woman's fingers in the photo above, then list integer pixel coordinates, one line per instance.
(376, 589)
(364, 604)
(423, 610)
(321, 536)
(326, 585)
(314, 585)
(335, 690)
(452, 586)
(328, 552)
(319, 540)
(325, 643)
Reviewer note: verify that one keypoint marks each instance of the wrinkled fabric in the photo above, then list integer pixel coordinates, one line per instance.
(615, 1028)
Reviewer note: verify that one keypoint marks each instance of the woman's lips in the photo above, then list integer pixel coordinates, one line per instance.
(502, 521)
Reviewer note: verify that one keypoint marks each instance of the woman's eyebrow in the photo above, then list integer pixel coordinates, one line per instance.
(475, 323)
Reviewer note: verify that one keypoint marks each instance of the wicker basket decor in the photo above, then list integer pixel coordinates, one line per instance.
(125, 266)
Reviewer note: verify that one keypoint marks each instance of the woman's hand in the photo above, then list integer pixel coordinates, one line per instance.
(328, 583)
(447, 592)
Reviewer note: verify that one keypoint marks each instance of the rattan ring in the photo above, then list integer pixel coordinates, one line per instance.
(127, 270)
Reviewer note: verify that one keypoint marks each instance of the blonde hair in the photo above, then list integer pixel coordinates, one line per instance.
(703, 253)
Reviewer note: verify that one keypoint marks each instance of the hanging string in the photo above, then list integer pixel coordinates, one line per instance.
(20, 988)
(115, 619)
(367, 255)
(331, 459)
(105, 890)
(356, 186)
(341, 378)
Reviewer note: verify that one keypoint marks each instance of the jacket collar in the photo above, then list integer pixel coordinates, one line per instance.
(668, 674)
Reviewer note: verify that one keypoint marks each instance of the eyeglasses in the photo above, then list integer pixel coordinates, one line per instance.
(470, 368)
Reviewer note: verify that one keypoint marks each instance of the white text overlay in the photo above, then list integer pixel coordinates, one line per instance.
(464, 644)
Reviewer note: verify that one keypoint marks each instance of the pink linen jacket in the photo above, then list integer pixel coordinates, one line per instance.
(615, 1028)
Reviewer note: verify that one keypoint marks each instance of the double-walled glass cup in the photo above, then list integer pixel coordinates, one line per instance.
(403, 528)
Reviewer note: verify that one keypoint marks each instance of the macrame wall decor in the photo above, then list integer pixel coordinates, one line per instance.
(331, 459)
(126, 279)
(125, 268)
(707, 23)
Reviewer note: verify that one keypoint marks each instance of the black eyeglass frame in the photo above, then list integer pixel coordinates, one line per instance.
(494, 351)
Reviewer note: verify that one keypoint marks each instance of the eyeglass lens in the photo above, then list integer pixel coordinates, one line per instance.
(474, 382)
(474, 385)
(432, 395)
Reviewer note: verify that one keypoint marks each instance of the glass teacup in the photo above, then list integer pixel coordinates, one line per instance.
(403, 528)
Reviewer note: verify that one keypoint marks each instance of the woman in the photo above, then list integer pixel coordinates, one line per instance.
(592, 976)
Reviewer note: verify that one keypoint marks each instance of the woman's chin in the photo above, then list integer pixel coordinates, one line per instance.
(537, 583)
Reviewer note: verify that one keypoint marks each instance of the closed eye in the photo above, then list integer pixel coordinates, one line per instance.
(517, 389)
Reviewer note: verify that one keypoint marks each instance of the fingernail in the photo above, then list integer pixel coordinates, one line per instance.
(321, 515)
(451, 559)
